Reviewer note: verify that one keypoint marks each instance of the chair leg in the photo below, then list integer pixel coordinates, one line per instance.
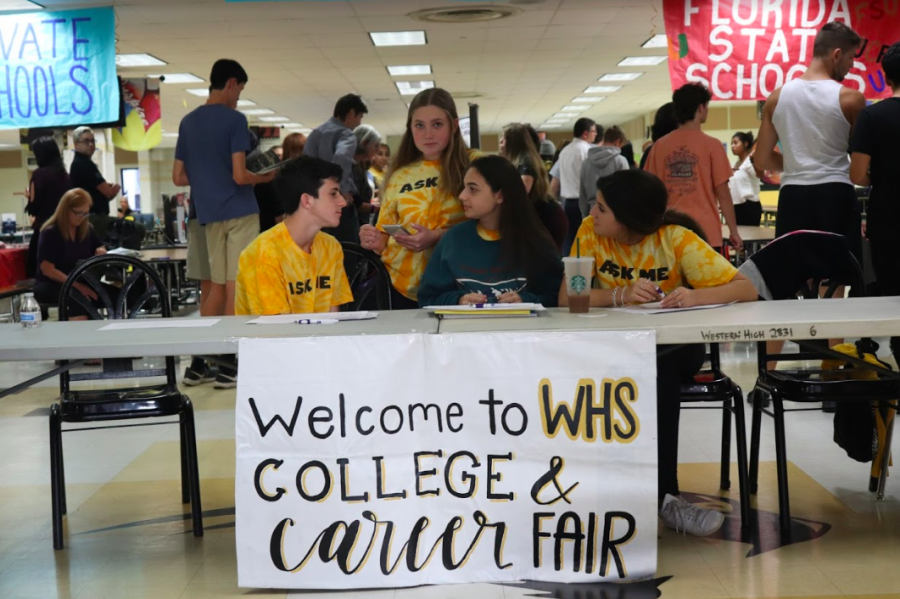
(784, 501)
(725, 468)
(185, 469)
(191, 442)
(755, 426)
(55, 496)
(740, 434)
(886, 450)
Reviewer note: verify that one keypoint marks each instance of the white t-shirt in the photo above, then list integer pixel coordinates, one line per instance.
(568, 168)
(744, 184)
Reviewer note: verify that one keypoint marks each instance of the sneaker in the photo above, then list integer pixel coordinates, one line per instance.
(198, 373)
(686, 517)
(226, 379)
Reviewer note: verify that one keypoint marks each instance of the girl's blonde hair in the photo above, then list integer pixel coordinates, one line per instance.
(62, 218)
(454, 160)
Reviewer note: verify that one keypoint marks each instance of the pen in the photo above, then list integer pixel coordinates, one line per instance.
(317, 321)
(661, 292)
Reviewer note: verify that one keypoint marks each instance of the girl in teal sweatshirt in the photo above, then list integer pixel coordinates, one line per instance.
(502, 254)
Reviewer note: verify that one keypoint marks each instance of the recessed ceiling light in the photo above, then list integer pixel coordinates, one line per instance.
(572, 108)
(657, 41)
(294, 125)
(565, 116)
(412, 69)
(274, 119)
(170, 135)
(602, 89)
(641, 61)
(177, 78)
(549, 126)
(588, 99)
(138, 60)
(558, 121)
(407, 88)
(11, 5)
(198, 92)
(398, 38)
(620, 77)
(258, 111)
(243, 103)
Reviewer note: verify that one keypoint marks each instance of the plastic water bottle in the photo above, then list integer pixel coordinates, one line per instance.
(30, 312)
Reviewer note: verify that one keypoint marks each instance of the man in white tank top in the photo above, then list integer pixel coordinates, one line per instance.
(813, 117)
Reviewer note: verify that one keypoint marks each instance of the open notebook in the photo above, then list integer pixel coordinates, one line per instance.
(487, 311)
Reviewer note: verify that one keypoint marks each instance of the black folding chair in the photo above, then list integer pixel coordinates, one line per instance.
(711, 385)
(103, 405)
(369, 279)
(802, 264)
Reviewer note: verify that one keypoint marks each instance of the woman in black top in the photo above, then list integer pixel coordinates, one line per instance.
(67, 238)
(517, 146)
(48, 184)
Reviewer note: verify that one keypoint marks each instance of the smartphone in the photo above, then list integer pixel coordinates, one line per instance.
(394, 229)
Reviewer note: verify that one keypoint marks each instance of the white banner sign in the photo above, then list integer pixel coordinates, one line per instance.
(394, 461)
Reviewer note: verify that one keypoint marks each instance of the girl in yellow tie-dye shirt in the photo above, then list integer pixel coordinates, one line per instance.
(645, 253)
(421, 193)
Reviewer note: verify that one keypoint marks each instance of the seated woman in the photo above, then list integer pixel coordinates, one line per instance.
(502, 253)
(645, 253)
(67, 238)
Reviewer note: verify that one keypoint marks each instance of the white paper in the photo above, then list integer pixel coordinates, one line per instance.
(160, 323)
(294, 318)
(489, 307)
(654, 308)
(124, 252)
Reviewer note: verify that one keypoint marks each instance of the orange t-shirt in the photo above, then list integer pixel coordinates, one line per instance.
(692, 164)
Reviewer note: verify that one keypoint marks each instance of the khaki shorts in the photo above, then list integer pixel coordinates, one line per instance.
(197, 254)
(225, 240)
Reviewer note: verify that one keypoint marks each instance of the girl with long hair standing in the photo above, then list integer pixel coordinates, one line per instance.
(516, 145)
(421, 194)
(502, 253)
(744, 183)
(48, 185)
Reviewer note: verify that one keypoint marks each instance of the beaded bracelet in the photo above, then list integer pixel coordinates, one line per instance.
(615, 292)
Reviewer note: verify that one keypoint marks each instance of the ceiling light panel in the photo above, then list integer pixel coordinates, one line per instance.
(641, 61)
(172, 78)
(398, 38)
(274, 119)
(138, 60)
(198, 92)
(657, 41)
(620, 77)
(258, 111)
(588, 99)
(602, 89)
(407, 88)
(412, 69)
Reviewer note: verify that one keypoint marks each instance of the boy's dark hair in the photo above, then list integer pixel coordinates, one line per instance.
(347, 103)
(833, 36)
(614, 134)
(890, 64)
(638, 200)
(582, 126)
(687, 99)
(304, 175)
(223, 70)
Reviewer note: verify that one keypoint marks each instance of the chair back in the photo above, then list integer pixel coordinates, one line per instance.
(799, 263)
(138, 284)
(369, 280)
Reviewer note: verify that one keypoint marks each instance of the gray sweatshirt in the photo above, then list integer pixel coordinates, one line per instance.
(600, 161)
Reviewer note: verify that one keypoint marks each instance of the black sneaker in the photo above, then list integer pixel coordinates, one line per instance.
(198, 373)
(226, 379)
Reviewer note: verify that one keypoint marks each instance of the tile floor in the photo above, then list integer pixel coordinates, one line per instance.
(127, 536)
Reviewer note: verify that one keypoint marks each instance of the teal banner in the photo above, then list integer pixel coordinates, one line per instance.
(58, 69)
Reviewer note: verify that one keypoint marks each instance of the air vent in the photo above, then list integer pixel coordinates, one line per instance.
(469, 14)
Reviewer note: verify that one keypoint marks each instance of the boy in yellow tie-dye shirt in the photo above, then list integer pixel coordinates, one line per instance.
(645, 253)
(294, 268)
(421, 194)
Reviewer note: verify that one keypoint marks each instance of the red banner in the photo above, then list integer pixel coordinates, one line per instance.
(746, 49)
